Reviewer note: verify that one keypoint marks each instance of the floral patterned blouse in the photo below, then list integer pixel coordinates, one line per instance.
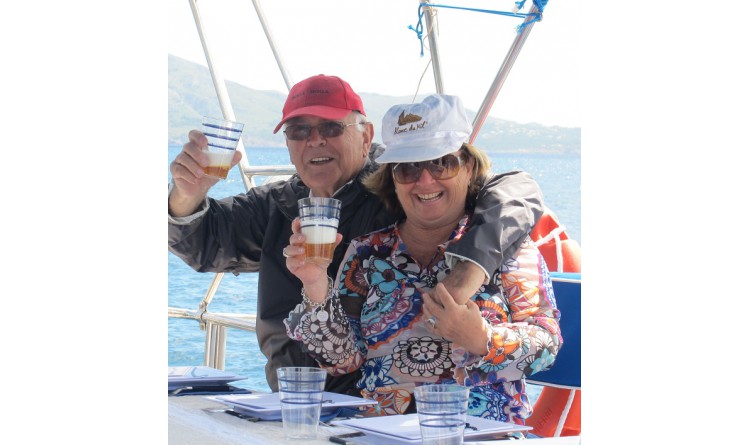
(376, 322)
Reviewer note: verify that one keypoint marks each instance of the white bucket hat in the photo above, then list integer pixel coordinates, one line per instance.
(423, 131)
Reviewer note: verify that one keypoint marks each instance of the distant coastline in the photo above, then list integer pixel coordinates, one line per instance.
(191, 95)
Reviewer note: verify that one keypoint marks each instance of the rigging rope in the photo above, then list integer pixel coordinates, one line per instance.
(535, 17)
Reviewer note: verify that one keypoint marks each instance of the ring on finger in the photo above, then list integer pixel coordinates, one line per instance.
(432, 321)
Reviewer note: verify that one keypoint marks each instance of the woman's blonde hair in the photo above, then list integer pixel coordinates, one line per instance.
(381, 184)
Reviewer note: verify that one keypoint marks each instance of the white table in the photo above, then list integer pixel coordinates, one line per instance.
(196, 420)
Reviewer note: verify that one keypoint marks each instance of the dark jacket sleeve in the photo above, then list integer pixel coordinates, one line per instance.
(228, 238)
(507, 208)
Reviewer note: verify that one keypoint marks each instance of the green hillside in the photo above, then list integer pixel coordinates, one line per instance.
(191, 95)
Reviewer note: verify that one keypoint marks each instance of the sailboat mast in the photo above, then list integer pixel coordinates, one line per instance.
(434, 49)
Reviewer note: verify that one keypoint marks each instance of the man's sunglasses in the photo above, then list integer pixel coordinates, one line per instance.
(327, 129)
(441, 168)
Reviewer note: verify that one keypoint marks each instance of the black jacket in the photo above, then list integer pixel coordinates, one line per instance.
(247, 232)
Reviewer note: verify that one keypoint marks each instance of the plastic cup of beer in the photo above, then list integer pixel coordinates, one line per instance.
(223, 136)
(319, 218)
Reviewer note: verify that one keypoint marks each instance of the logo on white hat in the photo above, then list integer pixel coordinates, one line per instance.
(409, 118)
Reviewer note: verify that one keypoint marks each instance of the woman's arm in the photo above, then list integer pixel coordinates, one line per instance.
(524, 332)
(329, 333)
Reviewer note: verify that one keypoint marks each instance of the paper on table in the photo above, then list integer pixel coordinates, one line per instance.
(268, 407)
(405, 428)
(178, 373)
(270, 402)
(181, 376)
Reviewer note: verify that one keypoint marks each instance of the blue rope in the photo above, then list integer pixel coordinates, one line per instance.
(540, 5)
(418, 30)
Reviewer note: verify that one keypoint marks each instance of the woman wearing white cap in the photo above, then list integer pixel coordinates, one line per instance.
(389, 316)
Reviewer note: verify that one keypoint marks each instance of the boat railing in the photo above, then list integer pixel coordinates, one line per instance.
(215, 325)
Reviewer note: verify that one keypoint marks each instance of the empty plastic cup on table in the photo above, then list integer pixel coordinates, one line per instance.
(319, 220)
(223, 136)
(301, 395)
(441, 410)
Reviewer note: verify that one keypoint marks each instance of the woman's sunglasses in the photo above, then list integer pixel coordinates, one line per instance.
(441, 168)
(327, 129)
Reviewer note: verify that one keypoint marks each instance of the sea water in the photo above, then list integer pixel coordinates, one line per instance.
(558, 175)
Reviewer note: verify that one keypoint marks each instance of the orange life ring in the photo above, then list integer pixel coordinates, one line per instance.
(561, 254)
(552, 404)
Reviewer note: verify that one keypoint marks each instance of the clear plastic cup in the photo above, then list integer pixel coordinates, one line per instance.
(319, 218)
(441, 410)
(301, 396)
(223, 136)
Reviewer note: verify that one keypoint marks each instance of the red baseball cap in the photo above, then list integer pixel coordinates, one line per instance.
(328, 97)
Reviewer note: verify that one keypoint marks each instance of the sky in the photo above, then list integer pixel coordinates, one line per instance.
(368, 43)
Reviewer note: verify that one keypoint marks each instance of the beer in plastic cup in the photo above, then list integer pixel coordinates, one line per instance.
(319, 218)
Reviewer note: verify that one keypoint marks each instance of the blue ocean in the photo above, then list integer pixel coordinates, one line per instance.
(558, 175)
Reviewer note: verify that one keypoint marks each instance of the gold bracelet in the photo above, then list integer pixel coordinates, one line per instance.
(314, 305)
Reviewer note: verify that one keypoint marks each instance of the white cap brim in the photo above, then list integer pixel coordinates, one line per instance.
(421, 150)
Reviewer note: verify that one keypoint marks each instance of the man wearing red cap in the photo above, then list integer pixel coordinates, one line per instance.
(329, 140)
